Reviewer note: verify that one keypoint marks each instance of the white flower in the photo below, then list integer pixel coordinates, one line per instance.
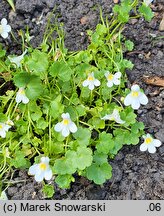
(115, 116)
(41, 170)
(147, 2)
(113, 79)
(91, 82)
(150, 144)
(66, 126)
(21, 96)
(4, 28)
(135, 98)
(17, 59)
(3, 196)
(3, 129)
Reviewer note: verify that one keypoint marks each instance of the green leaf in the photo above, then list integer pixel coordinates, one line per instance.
(128, 116)
(105, 143)
(118, 141)
(98, 123)
(67, 164)
(2, 53)
(3, 118)
(72, 111)
(42, 123)
(136, 127)
(83, 136)
(146, 12)
(125, 64)
(48, 190)
(64, 180)
(81, 110)
(57, 148)
(19, 160)
(99, 173)
(22, 126)
(101, 29)
(100, 158)
(61, 70)
(84, 157)
(34, 88)
(129, 45)
(22, 79)
(35, 116)
(75, 99)
(56, 108)
(32, 83)
(35, 111)
(84, 56)
(123, 10)
(134, 138)
(38, 63)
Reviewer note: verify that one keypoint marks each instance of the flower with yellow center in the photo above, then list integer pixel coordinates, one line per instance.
(43, 166)
(21, 96)
(150, 144)
(4, 28)
(135, 97)
(113, 79)
(91, 82)
(135, 94)
(66, 126)
(41, 170)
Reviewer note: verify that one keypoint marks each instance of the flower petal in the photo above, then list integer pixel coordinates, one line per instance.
(135, 104)
(25, 99)
(6, 127)
(4, 21)
(65, 131)
(157, 143)
(65, 116)
(106, 117)
(58, 127)
(128, 100)
(119, 120)
(117, 75)
(2, 133)
(7, 28)
(39, 176)
(107, 74)
(45, 160)
(143, 147)
(72, 127)
(18, 98)
(151, 149)
(110, 83)
(48, 174)
(143, 99)
(85, 83)
(33, 169)
(4, 34)
(135, 88)
(96, 82)
(91, 86)
(116, 81)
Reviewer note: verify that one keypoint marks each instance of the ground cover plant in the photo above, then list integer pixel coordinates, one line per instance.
(71, 112)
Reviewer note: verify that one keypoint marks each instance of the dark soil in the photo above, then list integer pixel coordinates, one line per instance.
(136, 175)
